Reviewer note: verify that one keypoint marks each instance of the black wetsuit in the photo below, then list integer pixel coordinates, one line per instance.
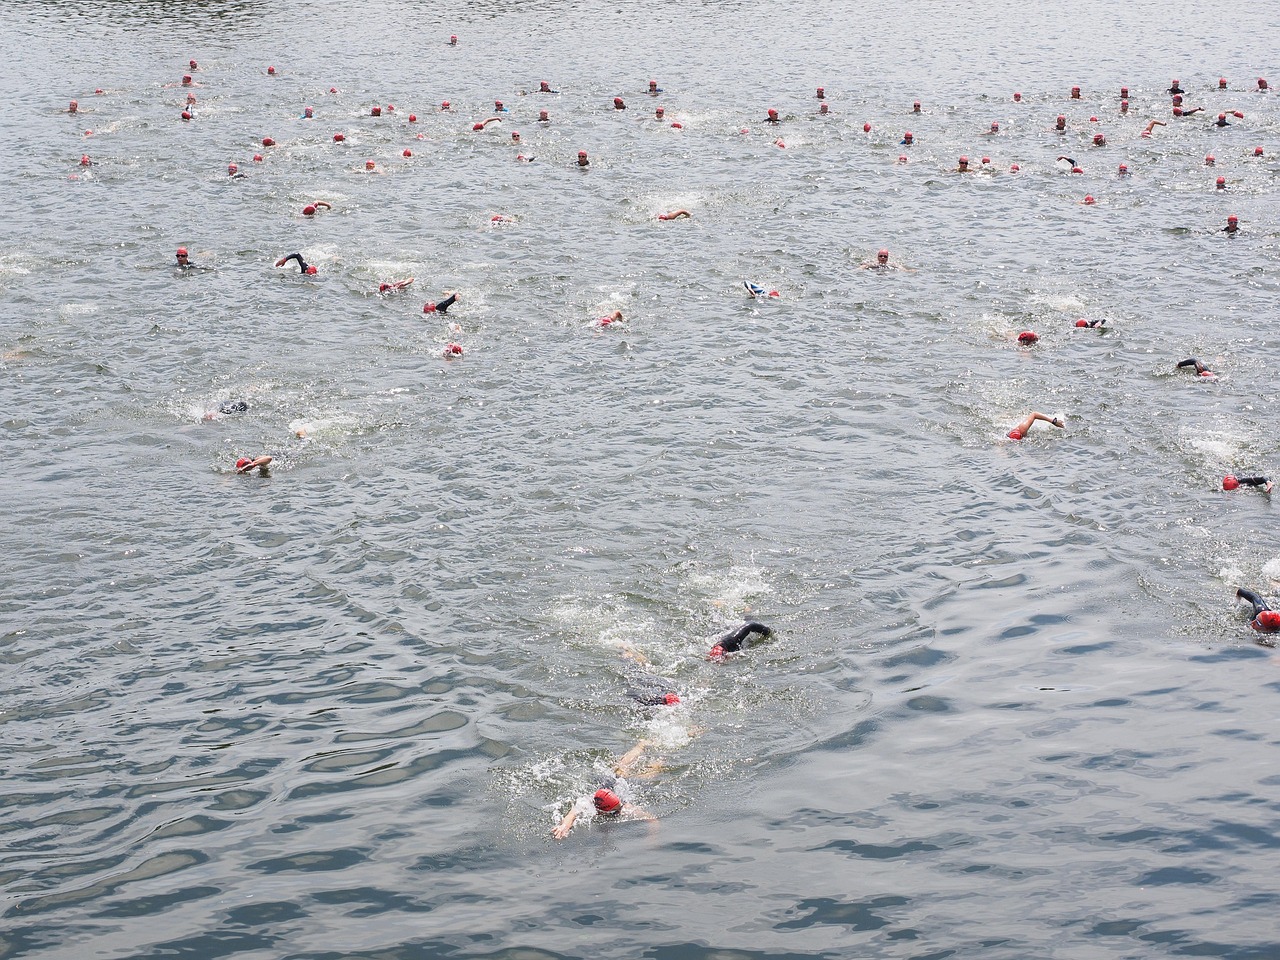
(1252, 481)
(1193, 362)
(1221, 123)
(649, 690)
(444, 305)
(233, 406)
(734, 640)
(302, 264)
(1260, 607)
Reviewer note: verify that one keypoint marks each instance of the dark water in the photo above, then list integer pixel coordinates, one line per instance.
(1010, 709)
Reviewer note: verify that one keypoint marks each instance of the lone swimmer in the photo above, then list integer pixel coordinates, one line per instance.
(1201, 369)
(303, 266)
(1232, 482)
(247, 464)
(674, 215)
(881, 262)
(1265, 620)
(441, 306)
(394, 286)
(1022, 429)
(184, 259)
(736, 639)
(611, 798)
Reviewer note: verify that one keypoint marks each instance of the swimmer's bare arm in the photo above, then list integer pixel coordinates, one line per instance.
(1026, 424)
(561, 830)
(254, 464)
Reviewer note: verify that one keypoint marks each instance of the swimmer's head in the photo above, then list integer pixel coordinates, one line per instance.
(413, 118)
(1177, 99)
(902, 158)
(1082, 322)
(1124, 93)
(1099, 140)
(1257, 151)
(908, 137)
(986, 160)
(384, 287)
(964, 161)
(1262, 84)
(191, 98)
(182, 255)
(1027, 337)
(915, 107)
(1093, 119)
(773, 114)
(866, 128)
(618, 104)
(1124, 106)
(376, 112)
(242, 463)
(73, 106)
(1209, 160)
(1221, 183)
(428, 308)
(1077, 170)
(309, 210)
(311, 270)
(271, 71)
(822, 93)
(716, 653)
(497, 105)
(268, 142)
(582, 158)
(444, 105)
(544, 86)
(1233, 219)
(543, 115)
(1075, 93)
(1123, 168)
(1222, 83)
(186, 79)
(653, 86)
(606, 801)
(453, 350)
(515, 136)
(1088, 200)
(370, 165)
(1017, 97)
(257, 158)
(824, 108)
(453, 39)
(194, 65)
(186, 114)
(1177, 111)
(1269, 620)
(1061, 122)
(231, 169)
(1014, 168)
(659, 112)
(883, 256)
(1015, 434)
(670, 699)
(995, 127)
(406, 152)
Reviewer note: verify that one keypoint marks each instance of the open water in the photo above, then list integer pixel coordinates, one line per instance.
(1010, 709)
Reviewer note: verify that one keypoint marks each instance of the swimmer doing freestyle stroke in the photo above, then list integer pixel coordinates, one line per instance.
(1265, 620)
(1022, 429)
(303, 266)
(612, 798)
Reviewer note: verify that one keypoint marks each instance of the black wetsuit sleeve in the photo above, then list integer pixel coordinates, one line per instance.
(1258, 603)
(302, 264)
(1252, 481)
(732, 641)
(444, 305)
(1189, 362)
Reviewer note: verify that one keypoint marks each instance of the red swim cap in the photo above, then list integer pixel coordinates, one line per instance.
(413, 118)
(882, 253)
(866, 128)
(670, 699)
(821, 92)
(1209, 160)
(1077, 170)
(582, 153)
(1257, 151)
(186, 79)
(1222, 83)
(1222, 181)
(370, 165)
(1093, 119)
(1177, 111)
(1088, 199)
(1233, 219)
(774, 293)
(1027, 336)
(268, 142)
(1268, 621)
(716, 653)
(1017, 96)
(339, 137)
(1082, 323)
(773, 112)
(407, 152)
(376, 111)
(543, 115)
(182, 252)
(497, 104)
(453, 350)
(444, 104)
(1015, 435)
(243, 462)
(311, 270)
(964, 159)
(477, 126)
(677, 126)
(271, 71)
(1124, 168)
(232, 168)
(1222, 116)
(194, 65)
(617, 102)
(428, 308)
(1237, 114)
(1229, 482)
(333, 89)
(1099, 138)
(986, 159)
(309, 210)
(607, 801)
(1124, 92)
(1014, 168)
(384, 287)
(257, 158)
(186, 115)
(391, 108)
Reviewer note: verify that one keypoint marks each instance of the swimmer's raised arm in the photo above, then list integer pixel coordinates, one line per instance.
(303, 266)
(394, 285)
(1022, 429)
(244, 464)
(561, 830)
(674, 215)
(1201, 369)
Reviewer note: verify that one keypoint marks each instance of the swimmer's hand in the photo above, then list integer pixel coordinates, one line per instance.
(1058, 422)
(561, 830)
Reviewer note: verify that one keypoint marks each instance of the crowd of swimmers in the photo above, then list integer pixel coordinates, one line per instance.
(612, 804)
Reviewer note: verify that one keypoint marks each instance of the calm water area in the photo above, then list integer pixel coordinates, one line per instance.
(1010, 709)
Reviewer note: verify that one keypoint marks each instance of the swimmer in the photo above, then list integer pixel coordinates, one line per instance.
(484, 123)
(544, 87)
(654, 89)
(674, 215)
(394, 286)
(515, 136)
(734, 640)
(1175, 89)
(1201, 369)
(1028, 338)
(1220, 183)
(246, 464)
(619, 103)
(772, 116)
(499, 108)
(1265, 620)
(1232, 482)
(1022, 429)
(1151, 126)
(308, 113)
(544, 117)
(995, 129)
(1122, 170)
(441, 306)
(1099, 140)
(234, 173)
(756, 291)
(1075, 93)
(1232, 227)
(659, 113)
(610, 319)
(964, 166)
(908, 139)
(610, 799)
(1262, 85)
(881, 262)
(303, 266)
(1060, 124)
(1221, 121)
(310, 209)
(73, 107)
(915, 106)
(583, 160)
(1186, 111)
(184, 259)
(1082, 322)
(451, 350)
